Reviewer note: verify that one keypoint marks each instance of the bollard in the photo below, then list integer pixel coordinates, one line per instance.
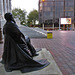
(47, 29)
(49, 35)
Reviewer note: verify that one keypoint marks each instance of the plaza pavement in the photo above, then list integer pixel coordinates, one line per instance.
(51, 69)
(62, 52)
(62, 48)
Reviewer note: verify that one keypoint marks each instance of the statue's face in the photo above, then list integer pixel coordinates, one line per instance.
(12, 17)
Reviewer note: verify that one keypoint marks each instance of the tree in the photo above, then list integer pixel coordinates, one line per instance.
(32, 17)
(19, 14)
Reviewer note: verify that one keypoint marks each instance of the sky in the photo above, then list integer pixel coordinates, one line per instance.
(28, 5)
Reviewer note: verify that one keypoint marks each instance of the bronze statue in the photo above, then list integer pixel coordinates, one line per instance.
(18, 52)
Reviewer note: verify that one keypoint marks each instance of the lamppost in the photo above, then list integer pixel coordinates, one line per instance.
(0, 29)
(53, 13)
(64, 15)
(43, 12)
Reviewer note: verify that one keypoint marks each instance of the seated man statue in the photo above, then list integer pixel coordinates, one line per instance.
(18, 51)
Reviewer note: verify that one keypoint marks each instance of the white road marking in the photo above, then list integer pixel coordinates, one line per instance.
(40, 32)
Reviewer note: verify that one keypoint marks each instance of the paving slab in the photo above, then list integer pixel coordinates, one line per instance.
(31, 32)
(51, 69)
(62, 48)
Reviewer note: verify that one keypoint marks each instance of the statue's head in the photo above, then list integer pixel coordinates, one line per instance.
(9, 17)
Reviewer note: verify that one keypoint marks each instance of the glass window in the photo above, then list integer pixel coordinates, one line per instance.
(59, 8)
(61, 14)
(57, 15)
(48, 15)
(69, 0)
(47, 9)
(50, 3)
(45, 3)
(49, 0)
(59, 0)
(69, 3)
(70, 13)
(51, 14)
(59, 3)
(69, 9)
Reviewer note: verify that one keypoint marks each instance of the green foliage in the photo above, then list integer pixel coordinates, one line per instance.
(32, 17)
(20, 14)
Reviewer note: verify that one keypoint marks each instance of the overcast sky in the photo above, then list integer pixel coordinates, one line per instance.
(28, 5)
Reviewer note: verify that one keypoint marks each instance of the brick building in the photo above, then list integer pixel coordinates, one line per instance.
(51, 10)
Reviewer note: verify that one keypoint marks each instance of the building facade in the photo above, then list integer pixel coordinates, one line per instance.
(51, 10)
(5, 6)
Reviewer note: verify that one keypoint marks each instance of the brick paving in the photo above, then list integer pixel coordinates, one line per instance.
(62, 48)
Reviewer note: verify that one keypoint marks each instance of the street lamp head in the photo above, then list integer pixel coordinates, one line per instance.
(43, 0)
